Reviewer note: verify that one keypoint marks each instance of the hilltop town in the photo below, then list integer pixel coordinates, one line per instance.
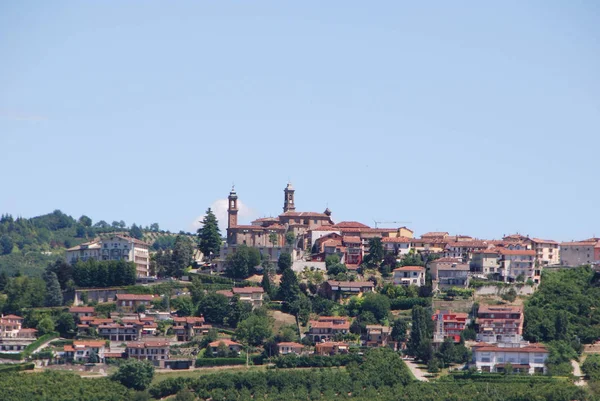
(304, 290)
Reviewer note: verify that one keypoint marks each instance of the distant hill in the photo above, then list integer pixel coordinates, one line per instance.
(27, 245)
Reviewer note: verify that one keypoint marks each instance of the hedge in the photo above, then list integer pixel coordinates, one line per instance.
(315, 361)
(15, 357)
(31, 347)
(203, 362)
(499, 377)
(17, 367)
(408, 303)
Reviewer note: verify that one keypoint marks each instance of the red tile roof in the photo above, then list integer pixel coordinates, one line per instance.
(500, 309)
(351, 240)
(351, 283)
(227, 293)
(248, 290)
(12, 317)
(435, 234)
(446, 260)
(350, 224)
(134, 297)
(290, 344)
(538, 348)
(89, 343)
(409, 269)
(543, 241)
(225, 341)
(524, 252)
(81, 309)
(304, 214)
(396, 240)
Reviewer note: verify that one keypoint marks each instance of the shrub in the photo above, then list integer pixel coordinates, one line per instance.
(204, 362)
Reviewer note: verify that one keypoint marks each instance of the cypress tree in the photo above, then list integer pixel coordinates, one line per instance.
(209, 236)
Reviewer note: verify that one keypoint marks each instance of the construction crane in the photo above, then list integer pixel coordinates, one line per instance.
(390, 222)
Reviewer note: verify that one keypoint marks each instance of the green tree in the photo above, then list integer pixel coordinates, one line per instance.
(290, 238)
(54, 295)
(266, 280)
(301, 307)
(284, 262)
(93, 357)
(419, 343)
(135, 374)
(288, 288)
(184, 395)
(375, 251)
(561, 325)
(254, 330)
(399, 328)
(45, 326)
(237, 265)
(3, 280)
(382, 367)
(85, 221)
(182, 256)
(238, 311)
(254, 259)
(273, 238)
(6, 245)
(377, 304)
(154, 227)
(136, 232)
(209, 236)
(510, 295)
(65, 324)
(214, 307)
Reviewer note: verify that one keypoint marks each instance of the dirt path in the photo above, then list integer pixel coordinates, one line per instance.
(418, 373)
(577, 373)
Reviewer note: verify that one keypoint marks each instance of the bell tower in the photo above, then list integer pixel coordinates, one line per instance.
(288, 203)
(232, 210)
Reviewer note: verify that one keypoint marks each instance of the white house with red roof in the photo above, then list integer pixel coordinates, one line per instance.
(131, 302)
(399, 246)
(230, 345)
(409, 275)
(326, 327)
(525, 358)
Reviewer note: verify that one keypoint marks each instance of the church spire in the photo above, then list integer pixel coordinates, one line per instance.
(288, 203)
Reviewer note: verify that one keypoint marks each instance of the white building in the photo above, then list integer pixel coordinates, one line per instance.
(409, 275)
(528, 358)
(580, 252)
(547, 251)
(116, 247)
(397, 245)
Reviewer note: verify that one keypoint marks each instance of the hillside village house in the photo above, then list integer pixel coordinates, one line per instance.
(399, 246)
(547, 252)
(251, 295)
(156, 351)
(448, 324)
(231, 346)
(131, 302)
(378, 336)
(81, 311)
(13, 337)
(409, 275)
(81, 351)
(120, 331)
(500, 324)
(285, 348)
(449, 272)
(326, 327)
(518, 263)
(116, 247)
(579, 253)
(186, 328)
(331, 348)
(528, 358)
(485, 261)
(463, 249)
(335, 290)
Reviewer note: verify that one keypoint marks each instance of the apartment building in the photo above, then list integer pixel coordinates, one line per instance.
(332, 348)
(399, 246)
(524, 358)
(449, 272)
(547, 252)
(378, 336)
(516, 263)
(579, 253)
(409, 275)
(186, 328)
(285, 348)
(334, 290)
(485, 261)
(156, 351)
(448, 324)
(131, 302)
(251, 295)
(326, 327)
(115, 331)
(500, 324)
(82, 351)
(116, 247)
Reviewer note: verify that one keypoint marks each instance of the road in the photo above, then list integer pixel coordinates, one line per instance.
(577, 373)
(418, 373)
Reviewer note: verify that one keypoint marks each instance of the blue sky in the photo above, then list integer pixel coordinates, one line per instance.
(468, 117)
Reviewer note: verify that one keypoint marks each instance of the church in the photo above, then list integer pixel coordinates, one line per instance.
(303, 234)
(271, 231)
